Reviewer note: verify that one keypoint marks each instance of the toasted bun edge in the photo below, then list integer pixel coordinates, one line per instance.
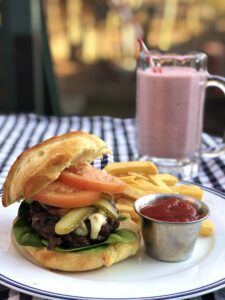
(41, 164)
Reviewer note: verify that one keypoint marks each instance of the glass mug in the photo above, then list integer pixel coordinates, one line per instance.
(170, 99)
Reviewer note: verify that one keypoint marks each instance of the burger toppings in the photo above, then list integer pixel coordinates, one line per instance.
(61, 195)
(80, 227)
(79, 186)
(72, 219)
(90, 178)
(107, 207)
(97, 220)
(74, 212)
(81, 230)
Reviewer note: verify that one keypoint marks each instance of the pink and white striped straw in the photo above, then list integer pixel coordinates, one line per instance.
(156, 68)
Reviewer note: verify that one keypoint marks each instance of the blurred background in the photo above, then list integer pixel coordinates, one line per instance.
(67, 57)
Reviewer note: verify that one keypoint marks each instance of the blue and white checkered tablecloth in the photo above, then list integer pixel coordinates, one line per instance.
(18, 132)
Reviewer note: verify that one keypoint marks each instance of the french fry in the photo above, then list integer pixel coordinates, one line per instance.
(125, 205)
(156, 180)
(150, 188)
(120, 168)
(142, 178)
(126, 201)
(207, 228)
(138, 176)
(127, 209)
(168, 179)
(133, 192)
(128, 179)
(189, 190)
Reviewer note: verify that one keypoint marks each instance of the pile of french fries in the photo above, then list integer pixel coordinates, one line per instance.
(142, 178)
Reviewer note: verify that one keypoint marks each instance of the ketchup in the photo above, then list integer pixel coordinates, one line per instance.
(171, 210)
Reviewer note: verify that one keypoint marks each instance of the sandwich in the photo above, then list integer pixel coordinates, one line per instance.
(67, 219)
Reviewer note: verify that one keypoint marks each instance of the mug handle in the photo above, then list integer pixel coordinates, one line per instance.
(216, 81)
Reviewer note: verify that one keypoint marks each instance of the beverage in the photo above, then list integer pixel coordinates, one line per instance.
(170, 111)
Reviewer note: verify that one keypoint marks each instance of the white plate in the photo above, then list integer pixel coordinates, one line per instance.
(135, 278)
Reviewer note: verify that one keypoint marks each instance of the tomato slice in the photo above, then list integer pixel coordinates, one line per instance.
(60, 195)
(89, 178)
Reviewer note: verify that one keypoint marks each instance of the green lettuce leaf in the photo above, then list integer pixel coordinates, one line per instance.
(121, 235)
(26, 236)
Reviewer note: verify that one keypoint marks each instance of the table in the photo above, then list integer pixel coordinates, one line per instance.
(18, 132)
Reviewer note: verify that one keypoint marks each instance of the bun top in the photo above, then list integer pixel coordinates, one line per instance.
(41, 164)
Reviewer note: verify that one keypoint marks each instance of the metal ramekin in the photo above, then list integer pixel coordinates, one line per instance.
(170, 241)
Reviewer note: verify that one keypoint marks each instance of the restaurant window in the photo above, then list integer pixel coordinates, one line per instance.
(94, 46)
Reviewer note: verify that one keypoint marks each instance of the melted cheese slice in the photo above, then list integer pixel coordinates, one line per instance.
(97, 220)
(82, 229)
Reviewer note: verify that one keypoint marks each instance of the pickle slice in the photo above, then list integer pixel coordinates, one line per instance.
(72, 219)
(108, 208)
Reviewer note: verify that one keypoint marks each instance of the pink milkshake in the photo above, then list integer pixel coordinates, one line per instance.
(169, 111)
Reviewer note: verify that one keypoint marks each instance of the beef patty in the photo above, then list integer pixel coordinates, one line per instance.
(44, 223)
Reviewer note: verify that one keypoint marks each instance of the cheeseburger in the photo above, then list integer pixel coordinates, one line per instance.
(67, 219)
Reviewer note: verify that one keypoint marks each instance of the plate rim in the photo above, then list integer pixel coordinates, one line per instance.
(20, 287)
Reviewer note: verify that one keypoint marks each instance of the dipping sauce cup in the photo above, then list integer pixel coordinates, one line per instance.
(171, 241)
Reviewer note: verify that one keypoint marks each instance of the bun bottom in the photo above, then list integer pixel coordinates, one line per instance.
(77, 261)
